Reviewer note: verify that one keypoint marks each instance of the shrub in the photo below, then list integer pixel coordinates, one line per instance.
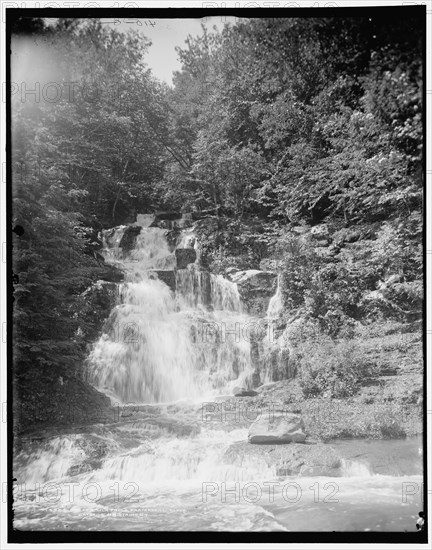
(334, 369)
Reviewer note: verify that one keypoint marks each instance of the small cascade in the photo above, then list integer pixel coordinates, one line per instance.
(277, 363)
(275, 305)
(159, 345)
(173, 460)
(200, 289)
(354, 468)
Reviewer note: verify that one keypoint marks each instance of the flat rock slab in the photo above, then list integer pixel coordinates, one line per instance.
(308, 459)
(245, 393)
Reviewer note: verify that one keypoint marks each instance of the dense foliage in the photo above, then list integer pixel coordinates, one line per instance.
(270, 123)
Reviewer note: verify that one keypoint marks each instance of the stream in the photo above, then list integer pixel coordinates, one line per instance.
(157, 464)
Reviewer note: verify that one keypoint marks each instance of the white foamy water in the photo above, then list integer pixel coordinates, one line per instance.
(166, 482)
(275, 304)
(168, 346)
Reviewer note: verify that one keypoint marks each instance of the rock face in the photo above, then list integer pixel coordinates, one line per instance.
(167, 216)
(129, 238)
(98, 302)
(184, 257)
(172, 237)
(277, 428)
(167, 276)
(112, 274)
(256, 289)
(278, 363)
(295, 459)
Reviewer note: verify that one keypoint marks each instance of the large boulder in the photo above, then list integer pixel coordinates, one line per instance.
(184, 257)
(255, 288)
(277, 428)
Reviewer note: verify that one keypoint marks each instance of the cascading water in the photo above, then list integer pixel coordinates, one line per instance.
(275, 304)
(169, 350)
(158, 464)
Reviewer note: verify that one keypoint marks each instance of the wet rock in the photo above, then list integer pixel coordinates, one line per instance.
(278, 363)
(256, 378)
(167, 277)
(270, 264)
(243, 392)
(184, 257)
(231, 272)
(93, 450)
(169, 220)
(172, 237)
(277, 428)
(297, 459)
(172, 215)
(165, 424)
(256, 289)
(111, 274)
(128, 241)
(188, 239)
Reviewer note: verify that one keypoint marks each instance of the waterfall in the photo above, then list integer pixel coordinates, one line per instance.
(170, 351)
(159, 345)
(275, 304)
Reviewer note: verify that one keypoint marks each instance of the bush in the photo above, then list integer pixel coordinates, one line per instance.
(334, 369)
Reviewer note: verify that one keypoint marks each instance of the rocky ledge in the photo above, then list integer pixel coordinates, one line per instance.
(255, 287)
(310, 459)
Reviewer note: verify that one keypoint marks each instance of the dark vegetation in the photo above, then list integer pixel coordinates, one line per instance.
(272, 124)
